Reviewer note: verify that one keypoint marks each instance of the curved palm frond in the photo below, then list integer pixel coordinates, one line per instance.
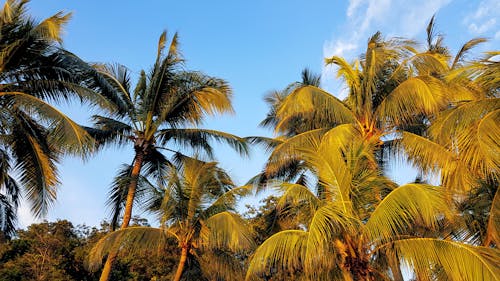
(133, 238)
(314, 105)
(227, 230)
(459, 261)
(199, 138)
(432, 157)
(404, 207)
(284, 250)
(416, 95)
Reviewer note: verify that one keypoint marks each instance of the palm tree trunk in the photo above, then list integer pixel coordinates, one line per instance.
(182, 261)
(134, 175)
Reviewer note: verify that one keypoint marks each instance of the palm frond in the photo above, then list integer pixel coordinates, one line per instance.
(284, 250)
(65, 134)
(459, 261)
(133, 238)
(406, 206)
(416, 95)
(465, 49)
(315, 106)
(227, 230)
(432, 157)
(200, 138)
(493, 227)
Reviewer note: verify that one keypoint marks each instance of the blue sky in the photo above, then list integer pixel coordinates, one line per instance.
(257, 46)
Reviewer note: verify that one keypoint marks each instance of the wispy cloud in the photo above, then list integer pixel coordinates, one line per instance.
(364, 17)
(484, 18)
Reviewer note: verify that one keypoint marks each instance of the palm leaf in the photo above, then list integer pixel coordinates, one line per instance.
(135, 239)
(283, 250)
(417, 95)
(459, 261)
(314, 104)
(406, 206)
(199, 139)
(227, 230)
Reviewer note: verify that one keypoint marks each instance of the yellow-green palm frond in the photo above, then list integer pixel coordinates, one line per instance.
(133, 239)
(465, 49)
(297, 195)
(291, 149)
(222, 265)
(51, 28)
(350, 73)
(459, 261)
(428, 63)
(229, 199)
(404, 207)
(493, 227)
(284, 250)
(432, 157)
(479, 146)
(227, 230)
(314, 104)
(416, 95)
(450, 122)
(66, 135)
(330, 222)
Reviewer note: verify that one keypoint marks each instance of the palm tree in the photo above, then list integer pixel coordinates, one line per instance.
(35, 71)
(156, 114)
(363, 227)
(389, 89)
(196, 207)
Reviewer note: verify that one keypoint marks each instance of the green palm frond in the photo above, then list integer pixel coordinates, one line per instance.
(454, 120)
(288, 151)
(227, 230)
(493, 227)
(296, 195)
(316, 106)
(65, 134)
(406, 206)
(459, 57)
(8, 216)
(417, 95)
(432, 157)
(133, 238)
(479, 146)
(284, 250)
(458, 261)
(200, 139)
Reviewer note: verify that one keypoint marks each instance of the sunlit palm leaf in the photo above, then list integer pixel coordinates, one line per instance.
(283, 250)
(406, 206)
(459, 261)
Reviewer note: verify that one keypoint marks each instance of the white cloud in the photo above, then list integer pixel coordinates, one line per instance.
(353, 5)
(483, 19)
(482, 28)
(364, 17)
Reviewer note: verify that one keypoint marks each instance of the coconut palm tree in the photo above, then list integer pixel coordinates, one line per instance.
(155, 116)
(34, 72)
(362, 227)
(195, 207)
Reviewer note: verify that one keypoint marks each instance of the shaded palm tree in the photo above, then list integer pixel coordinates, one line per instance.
(154, 116)
(35, 72)
(196, 207)
(363, 227)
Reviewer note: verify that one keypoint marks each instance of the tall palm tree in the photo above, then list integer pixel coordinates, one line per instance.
(155, 115)
(362, 227)
(388, 89)
(34, 72)
(196, 207)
